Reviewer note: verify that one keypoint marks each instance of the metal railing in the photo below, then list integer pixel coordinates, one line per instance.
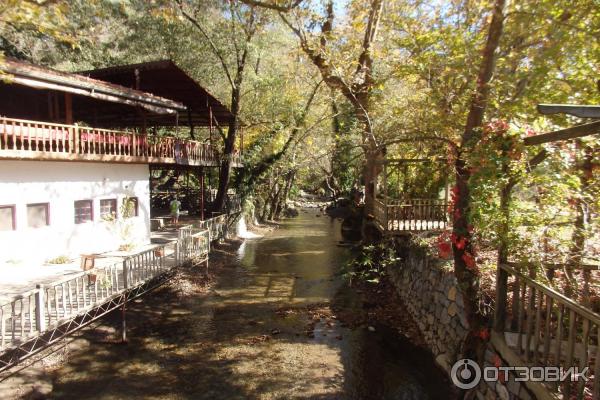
(546, 328)
(39, 317)
(216, 226)
(233, 203)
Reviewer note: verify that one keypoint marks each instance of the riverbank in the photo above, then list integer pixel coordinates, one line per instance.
(267, 322)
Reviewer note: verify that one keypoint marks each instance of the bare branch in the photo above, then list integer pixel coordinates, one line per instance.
(272, 6)
(365, 60)
(212, 45)
(416, 138)
(320, 61)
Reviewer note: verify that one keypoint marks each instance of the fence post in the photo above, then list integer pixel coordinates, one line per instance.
(177, 253)
(40, 319)
(126, 273)
(501, 298)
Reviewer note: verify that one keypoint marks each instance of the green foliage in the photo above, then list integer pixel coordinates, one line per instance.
(425, 62)
(542, 205)
(370, 264)
(59, 260)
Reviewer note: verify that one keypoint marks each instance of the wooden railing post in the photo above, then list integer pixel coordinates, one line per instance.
(40, 318)
(76, 139)
(501, 298)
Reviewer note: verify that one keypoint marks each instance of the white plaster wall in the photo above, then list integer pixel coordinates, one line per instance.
(60, 184)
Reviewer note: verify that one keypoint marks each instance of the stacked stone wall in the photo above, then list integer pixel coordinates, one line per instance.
(430, 292)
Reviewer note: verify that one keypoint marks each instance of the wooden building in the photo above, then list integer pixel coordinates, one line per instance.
(75, 157)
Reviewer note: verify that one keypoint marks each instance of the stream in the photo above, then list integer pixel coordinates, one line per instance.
(264, 330)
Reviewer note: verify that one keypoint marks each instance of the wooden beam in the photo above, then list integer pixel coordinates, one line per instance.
(564, 134)
(581, 111)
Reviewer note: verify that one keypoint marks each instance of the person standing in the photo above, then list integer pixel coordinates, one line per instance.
(175, 207)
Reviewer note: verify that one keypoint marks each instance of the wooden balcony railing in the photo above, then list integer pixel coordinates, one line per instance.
(21, 139)
(411, 215)
(546, 328)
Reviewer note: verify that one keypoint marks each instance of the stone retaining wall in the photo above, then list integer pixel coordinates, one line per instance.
(429, 290)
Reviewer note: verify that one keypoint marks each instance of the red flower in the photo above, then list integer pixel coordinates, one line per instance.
(530, 132)
(454, 192)
(484, 334)
(469, 261)
(461, 243)
(456, 214)
(444, 250)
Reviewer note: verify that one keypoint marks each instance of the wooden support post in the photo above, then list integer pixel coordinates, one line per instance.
(202, 193)
(210, 124)
(241, 141)
(68, 108)
(191, 123)
(40, 318)
(385, 194)
(50, 107)
(501, 298)
(56, 108)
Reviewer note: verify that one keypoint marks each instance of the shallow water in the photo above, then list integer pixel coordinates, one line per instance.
(264, 332)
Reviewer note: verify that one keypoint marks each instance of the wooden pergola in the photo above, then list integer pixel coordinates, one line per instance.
(535, 322)
(398, 216)
(577, 131)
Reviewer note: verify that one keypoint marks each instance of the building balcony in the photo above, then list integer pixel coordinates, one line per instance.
(34, 140)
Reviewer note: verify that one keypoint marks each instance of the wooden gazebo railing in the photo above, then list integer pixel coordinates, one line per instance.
(411, 215)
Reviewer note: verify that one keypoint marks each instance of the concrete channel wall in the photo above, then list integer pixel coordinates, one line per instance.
(430, 292)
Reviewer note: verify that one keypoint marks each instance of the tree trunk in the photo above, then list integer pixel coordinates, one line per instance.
(582, 220)
(229, 147)
(286, 191)
(373, 154)
(503, 245)
(275, 200)
(464, 258)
